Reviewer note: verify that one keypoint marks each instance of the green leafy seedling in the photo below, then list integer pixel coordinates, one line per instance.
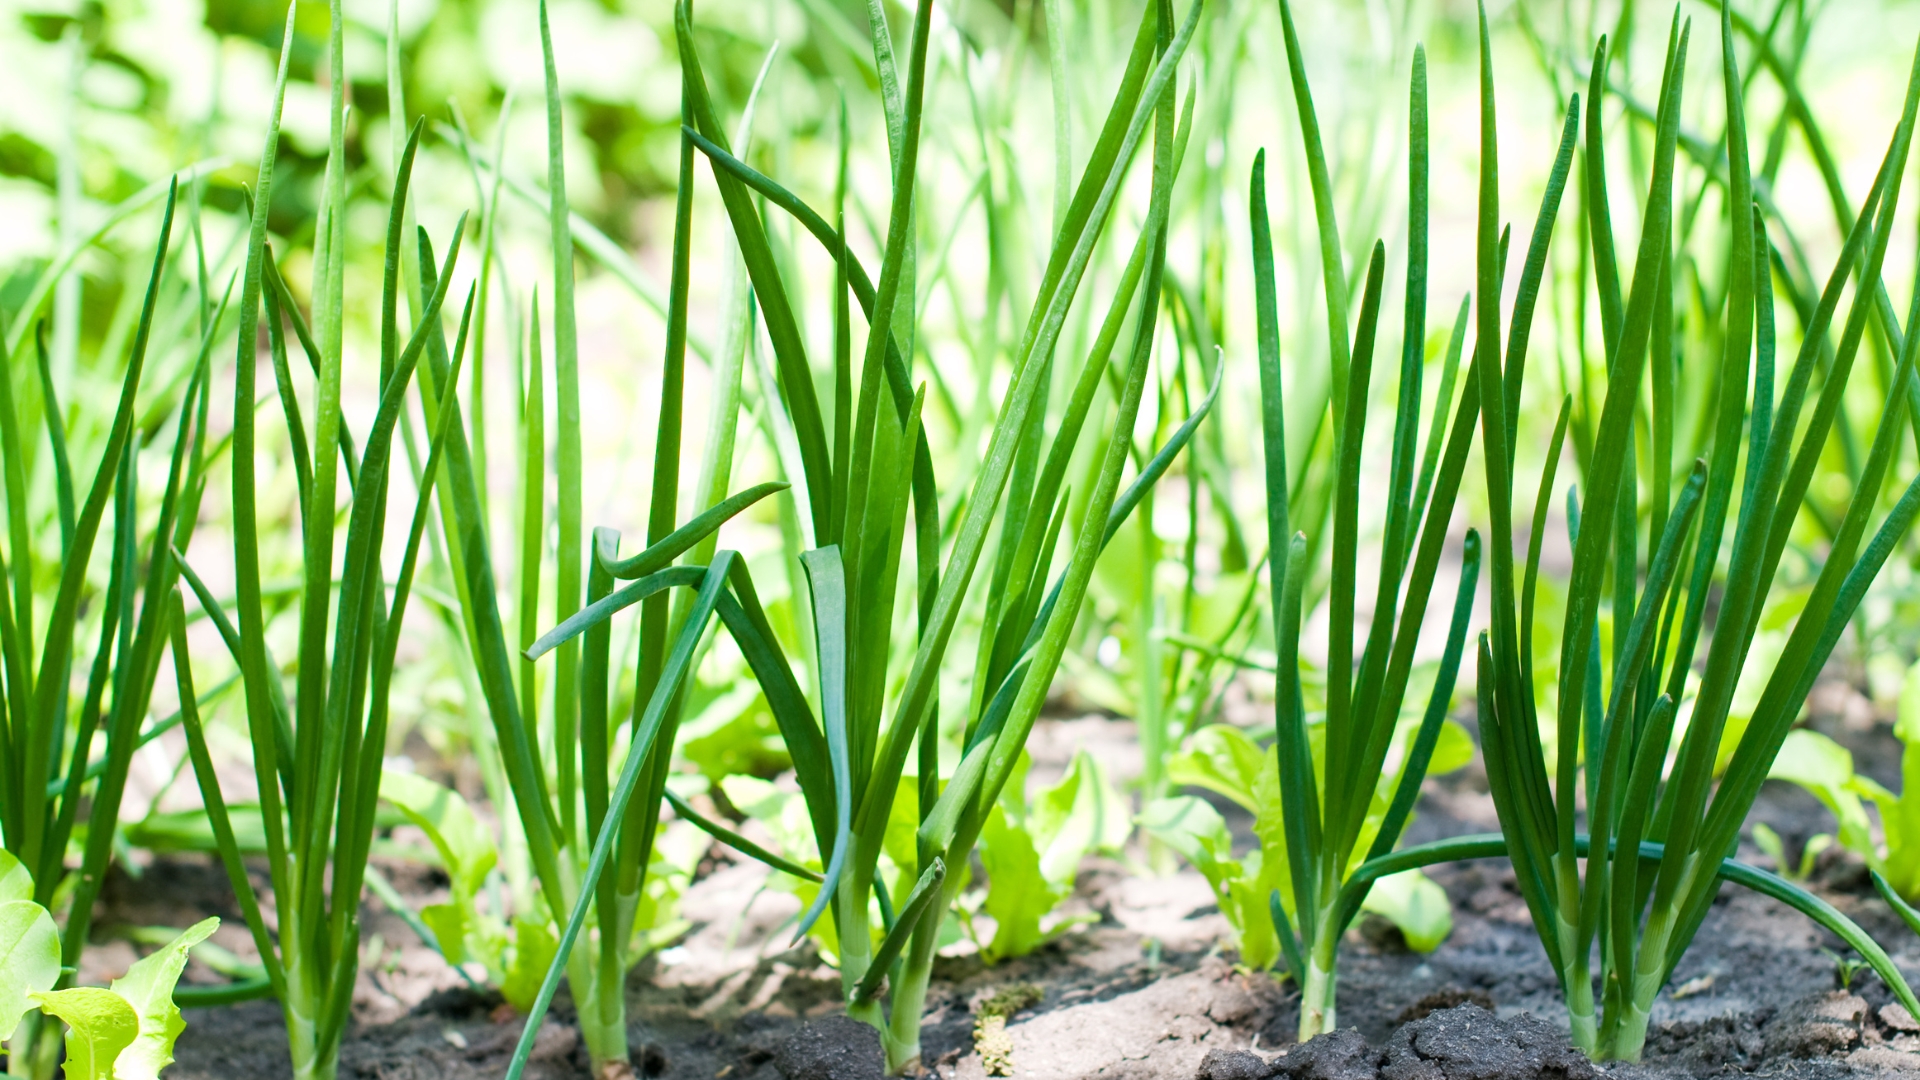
(1845, 969)
(1900, 814)
(1825, 769)
(1032, 854)
(125, 1032)
(1774, 848)
(534, 944)
(29, 947)
(101, 1025)
(468, 854)
(1224, 760)
(1195, 831)
(148, 986)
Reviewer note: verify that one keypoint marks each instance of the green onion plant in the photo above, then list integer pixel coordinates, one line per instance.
(588, 840)
(318, 746)
(856, 482)
(1659, 829)
(48, 772)
(1336, 809)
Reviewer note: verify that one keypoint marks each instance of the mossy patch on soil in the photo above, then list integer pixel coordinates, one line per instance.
(990, 1015)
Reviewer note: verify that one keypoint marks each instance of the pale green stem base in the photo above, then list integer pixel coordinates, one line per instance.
(600, 1001)
(1626, 1035)
(902, 1036)
(1629, 1035)
(1577, 985)
(313, 1057)
(1582, 1029)
(1317, 1014)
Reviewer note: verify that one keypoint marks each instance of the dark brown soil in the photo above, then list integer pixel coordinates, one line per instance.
(1145, 992)
(832, 1048)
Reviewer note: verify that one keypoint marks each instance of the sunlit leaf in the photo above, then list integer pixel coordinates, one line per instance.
(148, 988)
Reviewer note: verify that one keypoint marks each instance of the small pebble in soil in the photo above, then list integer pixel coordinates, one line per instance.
(1223, 1064)
(1895, 1015)
(832, 1048)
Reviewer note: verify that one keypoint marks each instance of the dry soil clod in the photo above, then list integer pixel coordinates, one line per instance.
(1465, 1042)
(1223, 1064)
(832, 1048)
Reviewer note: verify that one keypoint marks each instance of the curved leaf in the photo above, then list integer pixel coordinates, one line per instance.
(29, 959)
(148, 987)
(100, 1025)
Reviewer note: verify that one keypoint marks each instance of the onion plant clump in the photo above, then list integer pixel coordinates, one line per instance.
(589, 817)
(855, 484)
(47, 769)
(588, 811)
(1662, 819)
(1333, 813)
(317, 746)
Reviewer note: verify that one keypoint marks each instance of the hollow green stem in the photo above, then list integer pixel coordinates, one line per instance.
(1576, 982)
(1317, 1015)
(315, 1055)
(902, 1036)
(600, 1001)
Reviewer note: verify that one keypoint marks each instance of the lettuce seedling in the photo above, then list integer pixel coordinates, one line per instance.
(516, 952)
(1195, 830)
(1031, 852)
(1825, 770)
(463, 929)
(1770, 844)
(1226, 761)
(125, 1032)
(29, 953)
(468, 854)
